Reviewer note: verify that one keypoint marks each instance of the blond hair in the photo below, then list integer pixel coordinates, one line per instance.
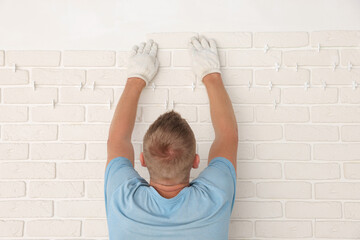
(169, 148)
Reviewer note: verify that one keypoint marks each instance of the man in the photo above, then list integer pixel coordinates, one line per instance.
(169, 207)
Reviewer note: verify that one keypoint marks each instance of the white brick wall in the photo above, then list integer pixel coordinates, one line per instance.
(298, 163)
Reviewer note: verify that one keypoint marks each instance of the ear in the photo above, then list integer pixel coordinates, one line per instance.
(196, 161)
(142, 160)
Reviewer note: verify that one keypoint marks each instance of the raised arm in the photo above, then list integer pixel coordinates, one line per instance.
(206, 65)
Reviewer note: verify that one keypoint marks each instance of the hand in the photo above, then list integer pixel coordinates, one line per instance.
(142, 62)
(205, 59)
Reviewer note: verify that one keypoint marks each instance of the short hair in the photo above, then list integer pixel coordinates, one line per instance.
(169, 148)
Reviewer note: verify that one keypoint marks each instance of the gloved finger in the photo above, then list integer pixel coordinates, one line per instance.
(196, 43)
(204, 43)
(153, 50)
(191, 48)
(134, 50)
(141, 48)
(148, 46)
(212, 44)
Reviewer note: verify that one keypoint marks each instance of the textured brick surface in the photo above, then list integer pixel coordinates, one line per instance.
(298, 161)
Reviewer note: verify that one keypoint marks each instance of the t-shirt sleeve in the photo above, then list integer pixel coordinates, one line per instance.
(220, 173)
(117, 172)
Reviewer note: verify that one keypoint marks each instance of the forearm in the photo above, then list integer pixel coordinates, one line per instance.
(221, 109)
(123, 121)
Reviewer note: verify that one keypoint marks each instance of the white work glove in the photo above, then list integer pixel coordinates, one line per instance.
(204, 56)
(142, 62)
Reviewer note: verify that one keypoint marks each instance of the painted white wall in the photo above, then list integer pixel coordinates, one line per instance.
(117, 24)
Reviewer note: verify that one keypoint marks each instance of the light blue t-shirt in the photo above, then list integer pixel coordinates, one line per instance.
(135, 210)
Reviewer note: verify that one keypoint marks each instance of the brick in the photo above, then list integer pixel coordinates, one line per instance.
(337, 190)
(339, 76)
(352, 170)
(27, 170)
(311, 133)
(106, 77)
(253, 58)
(139, 132)
(163, 56)
(350, 56)
(243, 114)
(13, 113)
(86, 95)
(282, 77)
(11, 228)
(94, 189)
(254, 95)
(86, 170)
(245, 189)
(282, 114)
(246, 210)
(82, 58)
(12, 190)
(30, 132)
(203, 131)
(311, 57)
(258, 170)
(245, 151)
(336, 38)
(104, 114)
(53, 76)
(148, 95)
(60, 113)
(350, 133)
(14, 151)
(312, 171)
(350, 95)
(352, 210)
(174, 77)
(229, 39)
(337, 151)
(186, 95)
(80, 208)
(236, 77)
(29, 96)
(281, 39)
(335, 114)
(284, 190)
(30, 58)
(95, 228)
(9, 77)
(53, 228)
(283, 229)
(2, 56)
(283, 151)
(181, 58)
(151, 113)
(26, 209)
(315, 210)
(311, 95)
(56, 189)
(87, 132)
(57, 151)
(337, 229)
(239, 228)
(259, 132)
(172, 40)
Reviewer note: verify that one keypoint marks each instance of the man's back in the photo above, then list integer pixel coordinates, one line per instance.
(202, 210)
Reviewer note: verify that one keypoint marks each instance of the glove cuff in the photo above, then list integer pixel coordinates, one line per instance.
(208, 72)
(139, 76)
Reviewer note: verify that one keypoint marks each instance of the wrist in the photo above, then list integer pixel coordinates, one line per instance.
(136, 81)
(212, 77)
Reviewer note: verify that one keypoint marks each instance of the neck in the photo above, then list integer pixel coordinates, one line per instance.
(167, 190)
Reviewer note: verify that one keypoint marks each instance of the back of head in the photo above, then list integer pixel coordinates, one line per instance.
(169, 148)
